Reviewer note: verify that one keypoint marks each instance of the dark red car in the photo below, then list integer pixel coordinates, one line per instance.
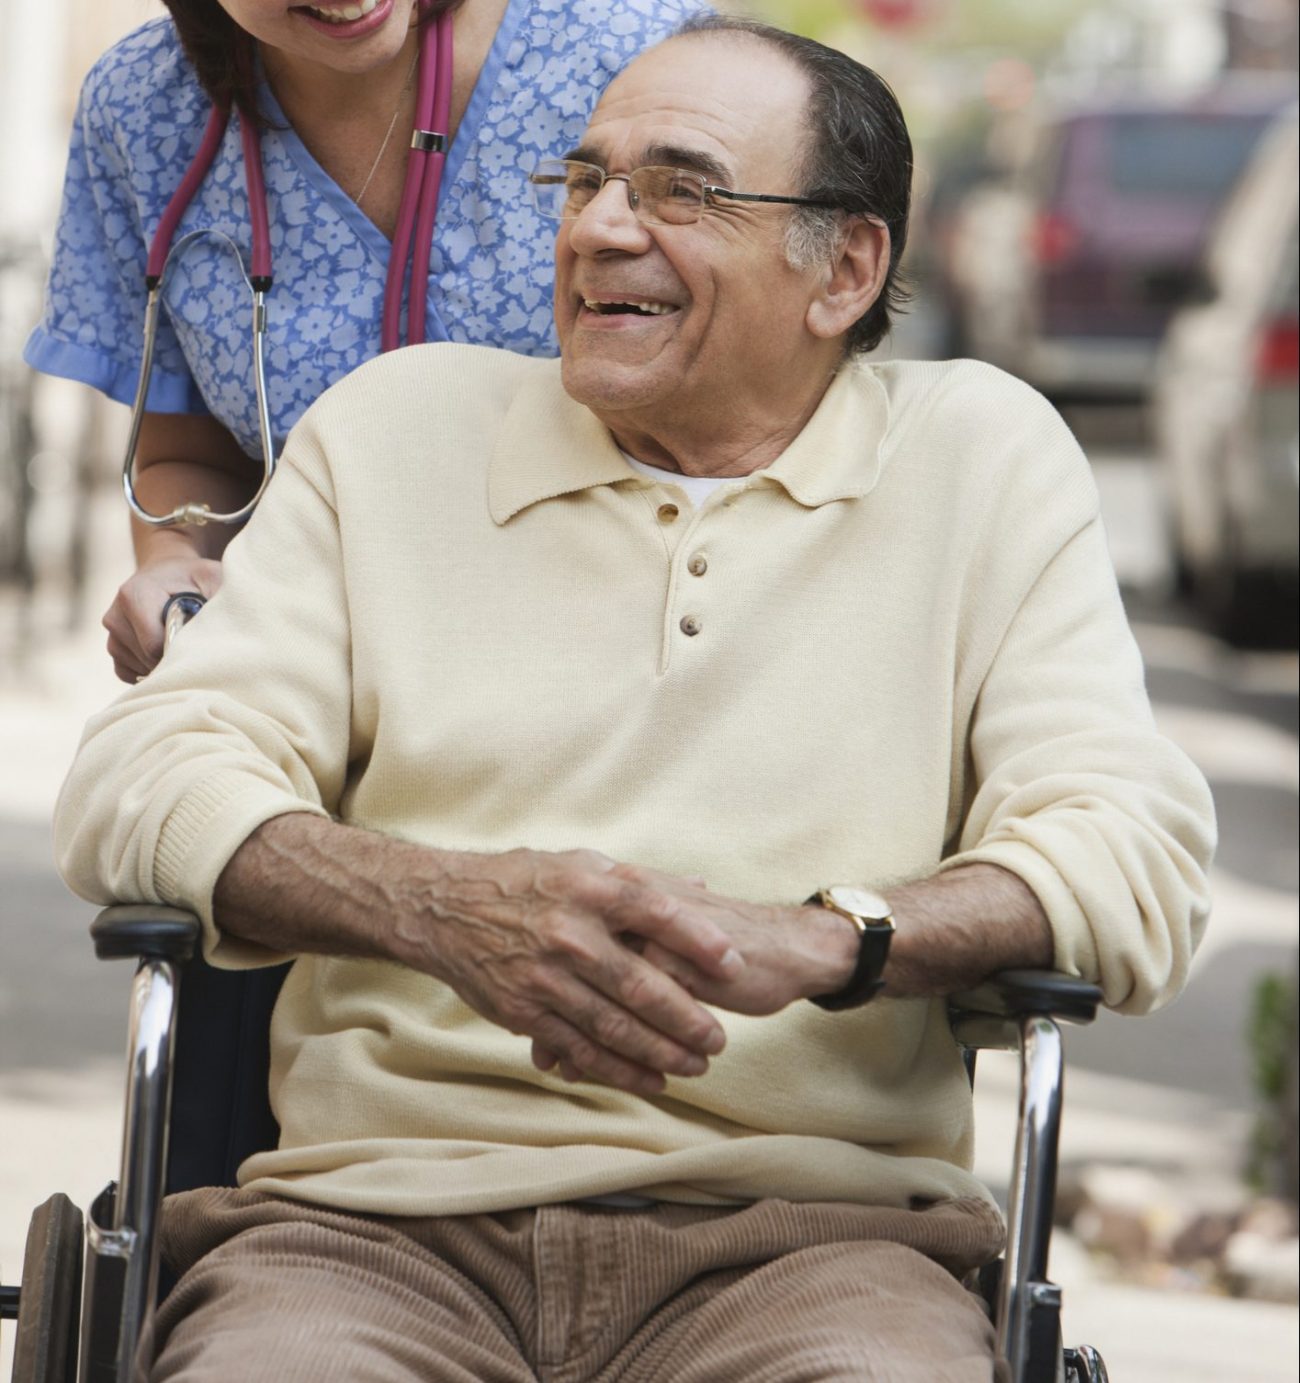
(1100, 234)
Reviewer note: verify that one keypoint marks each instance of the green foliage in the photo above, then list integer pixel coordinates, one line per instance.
(1025, 27)
(1271, 1038)
(1272, 1034)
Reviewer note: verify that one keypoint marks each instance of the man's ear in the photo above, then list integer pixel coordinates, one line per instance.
(854, 279)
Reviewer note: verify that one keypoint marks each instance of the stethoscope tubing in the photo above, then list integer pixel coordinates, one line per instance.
(161, 249)
(199, 514)
(415, 222)
(431, 181)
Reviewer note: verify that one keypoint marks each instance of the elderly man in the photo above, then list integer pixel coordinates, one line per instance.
(603, 752)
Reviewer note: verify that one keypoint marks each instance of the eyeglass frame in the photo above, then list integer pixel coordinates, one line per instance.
(708, 189)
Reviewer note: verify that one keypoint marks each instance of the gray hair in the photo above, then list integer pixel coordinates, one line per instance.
(859, 159)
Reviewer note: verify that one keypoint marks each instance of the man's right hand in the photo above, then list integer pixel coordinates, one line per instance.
(134, 619)
(532, 940)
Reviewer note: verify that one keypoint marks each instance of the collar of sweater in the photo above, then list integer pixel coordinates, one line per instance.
(549, 445)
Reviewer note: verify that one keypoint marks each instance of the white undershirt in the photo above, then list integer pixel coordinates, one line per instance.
(697, 487)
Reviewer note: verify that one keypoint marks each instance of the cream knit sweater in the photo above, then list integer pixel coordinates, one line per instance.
(458, 618)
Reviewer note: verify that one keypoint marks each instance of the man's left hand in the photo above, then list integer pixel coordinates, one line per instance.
(789, 952)
(954, 929)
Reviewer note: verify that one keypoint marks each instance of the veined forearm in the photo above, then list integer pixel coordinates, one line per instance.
(304, 883)
(957, 928)
(530, 939)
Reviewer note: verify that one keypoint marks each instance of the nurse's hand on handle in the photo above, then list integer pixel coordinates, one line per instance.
(170, 560)
(134, 620)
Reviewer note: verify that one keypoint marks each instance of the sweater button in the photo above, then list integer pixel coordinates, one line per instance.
(668, 512)
(698, 564)
(690, 626)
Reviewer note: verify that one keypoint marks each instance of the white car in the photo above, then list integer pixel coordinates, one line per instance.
(1226, 402)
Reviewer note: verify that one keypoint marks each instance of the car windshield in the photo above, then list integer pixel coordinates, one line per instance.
(1193, 156)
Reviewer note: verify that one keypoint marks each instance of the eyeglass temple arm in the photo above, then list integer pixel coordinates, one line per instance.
(765, 197)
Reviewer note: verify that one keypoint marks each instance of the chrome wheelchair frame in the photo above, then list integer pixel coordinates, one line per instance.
(90, 1286)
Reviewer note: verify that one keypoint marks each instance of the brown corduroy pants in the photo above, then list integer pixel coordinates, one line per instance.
(775, 1292)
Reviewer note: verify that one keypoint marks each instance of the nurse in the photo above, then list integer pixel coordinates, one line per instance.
(333, 88)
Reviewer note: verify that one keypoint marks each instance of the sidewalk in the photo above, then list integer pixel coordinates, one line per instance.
(59, 1130)
(1146, 1335)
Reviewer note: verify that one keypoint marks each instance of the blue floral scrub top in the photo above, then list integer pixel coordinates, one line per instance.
(138, 125)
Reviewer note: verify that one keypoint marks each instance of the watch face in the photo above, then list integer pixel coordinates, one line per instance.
(862, 902)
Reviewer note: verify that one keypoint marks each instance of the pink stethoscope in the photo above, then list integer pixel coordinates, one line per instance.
(415, 220)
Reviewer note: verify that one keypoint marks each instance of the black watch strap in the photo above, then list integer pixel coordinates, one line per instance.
(865, 982)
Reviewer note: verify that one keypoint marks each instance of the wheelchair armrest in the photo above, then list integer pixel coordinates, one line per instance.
(122, 1259)
(989, 1016)
(1013, 993)
(145, 930)
(1018, 1010)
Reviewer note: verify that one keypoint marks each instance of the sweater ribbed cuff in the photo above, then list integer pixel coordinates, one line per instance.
(207, 826)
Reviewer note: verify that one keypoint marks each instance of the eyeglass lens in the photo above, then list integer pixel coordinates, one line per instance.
(563, 188)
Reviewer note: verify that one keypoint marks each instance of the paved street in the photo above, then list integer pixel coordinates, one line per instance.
(1170, 1092)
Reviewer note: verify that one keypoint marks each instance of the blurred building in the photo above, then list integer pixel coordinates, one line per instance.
(45, 50)
(1262, 33)
(1171, 42)
(56, 437)
(1184, 40)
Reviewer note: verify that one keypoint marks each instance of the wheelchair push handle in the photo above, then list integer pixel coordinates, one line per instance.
(177, 613)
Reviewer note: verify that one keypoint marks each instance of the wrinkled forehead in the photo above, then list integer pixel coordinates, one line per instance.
(727, 105)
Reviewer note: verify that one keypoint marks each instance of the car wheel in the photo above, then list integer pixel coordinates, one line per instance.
(1248, 607)
(1182, 574)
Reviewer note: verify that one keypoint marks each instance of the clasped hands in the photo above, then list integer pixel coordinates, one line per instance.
(607, 966)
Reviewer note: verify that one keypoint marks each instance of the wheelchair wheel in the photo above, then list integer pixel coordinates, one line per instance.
(45, 1350)
(1084, 1365)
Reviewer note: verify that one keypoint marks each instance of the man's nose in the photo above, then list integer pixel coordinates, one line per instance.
(608, 220)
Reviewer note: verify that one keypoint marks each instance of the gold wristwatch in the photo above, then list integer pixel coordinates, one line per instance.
(874, 919)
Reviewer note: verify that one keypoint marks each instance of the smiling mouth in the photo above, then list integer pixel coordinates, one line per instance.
(345, 14)
(637, 307)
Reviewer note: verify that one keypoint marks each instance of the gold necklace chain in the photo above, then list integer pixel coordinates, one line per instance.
(392, 125)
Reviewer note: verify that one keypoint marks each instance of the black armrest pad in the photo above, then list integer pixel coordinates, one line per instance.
(1012, 993)
(145, 929)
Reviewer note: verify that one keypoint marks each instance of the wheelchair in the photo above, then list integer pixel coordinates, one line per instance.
(197, 1105)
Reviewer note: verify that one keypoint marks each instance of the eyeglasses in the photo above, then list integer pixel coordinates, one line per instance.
(563, 188)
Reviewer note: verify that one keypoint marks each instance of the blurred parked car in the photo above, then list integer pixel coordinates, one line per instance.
(1226, 407)
(1067, 271)
(942, 189)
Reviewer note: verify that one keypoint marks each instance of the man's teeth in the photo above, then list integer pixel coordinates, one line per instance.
(630, 305)
(345, 15)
